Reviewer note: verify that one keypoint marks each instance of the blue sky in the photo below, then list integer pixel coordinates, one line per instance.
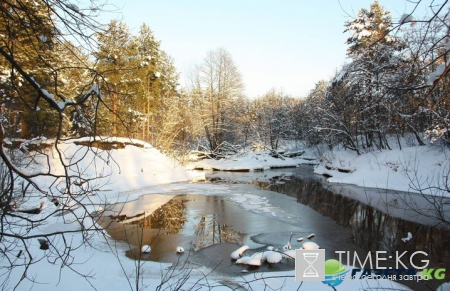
(288, 45)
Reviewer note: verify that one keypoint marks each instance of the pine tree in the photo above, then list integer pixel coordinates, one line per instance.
(117, 64)
(370, 33)
(149, 99)
(29, 39)
(374, 55)
(42, 77)
(32, 42)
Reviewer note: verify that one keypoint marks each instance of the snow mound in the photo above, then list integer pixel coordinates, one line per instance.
(119, 165)
(406, 18)
(406, 169)
(251, 161)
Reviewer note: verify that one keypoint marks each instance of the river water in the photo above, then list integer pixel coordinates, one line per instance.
(274, 206)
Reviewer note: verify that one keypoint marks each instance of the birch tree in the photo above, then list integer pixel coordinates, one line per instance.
(218, 86)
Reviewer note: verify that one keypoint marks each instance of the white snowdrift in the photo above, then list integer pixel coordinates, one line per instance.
(128, 171)
(251, 161)
(403, 170)
(120, 174)
(137, 166)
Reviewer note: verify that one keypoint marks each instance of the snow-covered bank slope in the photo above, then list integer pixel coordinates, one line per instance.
(409, 169)
(249, 161)
(116, 164)
(102, 260)
(119, 168)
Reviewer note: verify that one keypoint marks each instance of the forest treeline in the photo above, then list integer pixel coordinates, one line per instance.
(63, 75)
(395, 83)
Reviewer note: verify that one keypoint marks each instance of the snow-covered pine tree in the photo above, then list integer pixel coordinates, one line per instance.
(374, 55)
(117, 64)
(149, 98)
(31, 42)
(43, 76)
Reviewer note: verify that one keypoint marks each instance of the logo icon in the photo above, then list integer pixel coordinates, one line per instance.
(309, 265)
(334, 273)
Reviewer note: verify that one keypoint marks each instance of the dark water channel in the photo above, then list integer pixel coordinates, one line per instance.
(343, 217)
(378, 219)
(209, 228)
(375, 219)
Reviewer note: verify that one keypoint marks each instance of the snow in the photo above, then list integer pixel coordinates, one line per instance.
(123, 180)
(135, 167)
(60, 104)
(340, 75)
(146, 249)
(408, 169)
(251, 261)
(309, 245)
(408, 237)
(364, 33)
(433, 76)
(440, 69)
(254, 203)
(238, 253)
(94, 88)
(273, 257)
(251, 161)
(406, 18)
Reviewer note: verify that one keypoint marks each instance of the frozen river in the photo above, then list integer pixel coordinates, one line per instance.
(260, 209)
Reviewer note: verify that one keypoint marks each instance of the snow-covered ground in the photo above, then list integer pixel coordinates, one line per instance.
(119, 175)
(248, 161)
(133, 171)
(411, 169)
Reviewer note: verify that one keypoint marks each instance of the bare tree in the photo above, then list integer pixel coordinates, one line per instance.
(424, 91)
(217, 85)
(37, 36)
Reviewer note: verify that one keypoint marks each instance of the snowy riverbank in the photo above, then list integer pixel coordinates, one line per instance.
(100, 263)
(118, 170)
(411, 169)
(247, 161)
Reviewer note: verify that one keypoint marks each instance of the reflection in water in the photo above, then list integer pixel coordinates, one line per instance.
(209, 232)
(374, 229)
(175, 223)
(170, 217)
(201, 224)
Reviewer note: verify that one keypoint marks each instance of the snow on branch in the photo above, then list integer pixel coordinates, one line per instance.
(407, 18)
